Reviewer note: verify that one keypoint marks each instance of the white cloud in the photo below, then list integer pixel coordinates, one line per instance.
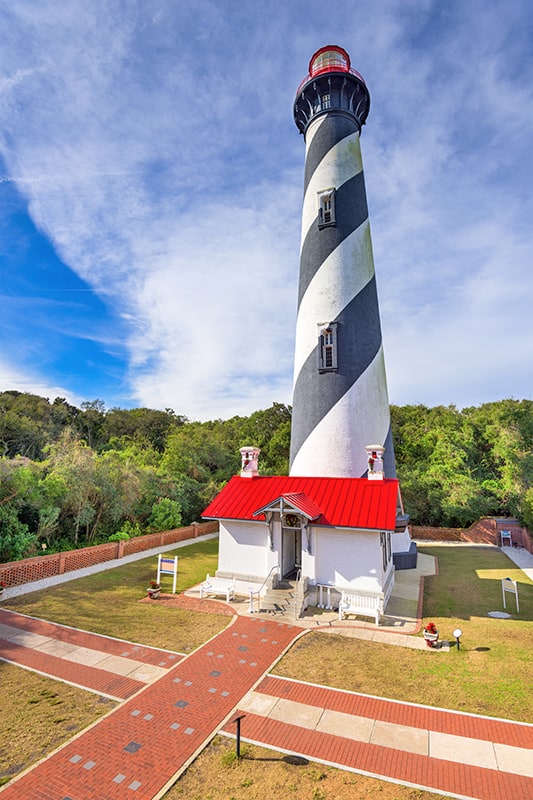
(157, 152)
(21, 380)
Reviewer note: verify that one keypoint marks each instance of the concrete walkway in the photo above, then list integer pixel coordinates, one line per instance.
(55, 580)
(521, 557)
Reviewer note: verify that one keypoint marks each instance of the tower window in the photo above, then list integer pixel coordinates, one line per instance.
(326, 102)
(326, 208)
(327, 348)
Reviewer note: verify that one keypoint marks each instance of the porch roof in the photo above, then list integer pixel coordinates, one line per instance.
(296, 500)
(335, 502)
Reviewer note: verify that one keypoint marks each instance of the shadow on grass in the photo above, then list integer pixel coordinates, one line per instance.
(294, 761)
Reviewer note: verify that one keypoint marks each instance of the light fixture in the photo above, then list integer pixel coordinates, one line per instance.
(457, 633)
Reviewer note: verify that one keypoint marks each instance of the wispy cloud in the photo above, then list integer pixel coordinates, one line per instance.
(156, 152)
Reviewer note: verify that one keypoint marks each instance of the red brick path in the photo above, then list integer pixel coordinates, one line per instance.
(448, 777)
(135, 750)
(445, 777)
(93, 678)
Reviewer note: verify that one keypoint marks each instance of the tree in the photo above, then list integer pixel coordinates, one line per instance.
(16, 541)
(165, 516)
(72, 462)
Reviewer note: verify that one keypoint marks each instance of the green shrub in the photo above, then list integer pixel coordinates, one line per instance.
(119, 536)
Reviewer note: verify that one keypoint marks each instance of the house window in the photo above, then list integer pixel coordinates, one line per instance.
(326, 102)
(327, 348)
(326, 208)
(383, 543)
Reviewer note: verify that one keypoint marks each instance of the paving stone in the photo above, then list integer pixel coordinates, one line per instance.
(147, 673)
(132, 747)
(306, 716)
(85, 655)
(401, 737)
(514, 759)
(26, 639)
(462, 750)
(54, 648)
(348, 725)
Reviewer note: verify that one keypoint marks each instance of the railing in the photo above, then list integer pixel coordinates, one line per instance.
(324, 595)
(296, 593)
(257, 592)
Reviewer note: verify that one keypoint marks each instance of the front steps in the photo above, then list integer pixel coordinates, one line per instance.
(286, 599)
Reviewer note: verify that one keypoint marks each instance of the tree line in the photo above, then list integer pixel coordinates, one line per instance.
(75, 476)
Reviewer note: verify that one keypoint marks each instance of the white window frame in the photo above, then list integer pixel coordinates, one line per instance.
(326, 208)
(327, 347)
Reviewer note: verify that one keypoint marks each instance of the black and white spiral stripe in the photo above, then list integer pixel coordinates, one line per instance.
(337, 413)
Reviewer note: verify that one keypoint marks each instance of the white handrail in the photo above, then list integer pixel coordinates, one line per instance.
(257, 592)
(298, 578)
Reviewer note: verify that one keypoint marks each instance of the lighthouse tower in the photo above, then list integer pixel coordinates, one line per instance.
(340, 399)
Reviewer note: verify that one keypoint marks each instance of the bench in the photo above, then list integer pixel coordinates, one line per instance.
(362, 605)
(214, 585)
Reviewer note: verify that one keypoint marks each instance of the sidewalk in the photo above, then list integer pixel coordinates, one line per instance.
(111, 667)
(521, 557)
(460, 755)
(55, 580)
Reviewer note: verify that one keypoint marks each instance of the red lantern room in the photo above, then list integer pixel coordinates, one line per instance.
(331, 85)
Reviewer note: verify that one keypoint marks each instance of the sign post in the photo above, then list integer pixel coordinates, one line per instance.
(237, 720)
(508, 585)
(168, 565)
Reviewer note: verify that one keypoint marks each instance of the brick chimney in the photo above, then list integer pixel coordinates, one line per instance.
(249, 461)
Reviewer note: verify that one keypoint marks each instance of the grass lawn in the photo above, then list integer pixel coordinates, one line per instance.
(261, 773)
(37, 714)
(108, 602)
(490, 674)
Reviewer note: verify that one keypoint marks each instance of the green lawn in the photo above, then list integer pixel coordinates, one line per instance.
(490, 674)
(109, 602)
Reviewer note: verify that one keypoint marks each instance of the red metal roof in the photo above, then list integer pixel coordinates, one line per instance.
(342, 502)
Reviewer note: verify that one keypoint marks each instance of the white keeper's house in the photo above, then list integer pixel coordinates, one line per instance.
(328, 534)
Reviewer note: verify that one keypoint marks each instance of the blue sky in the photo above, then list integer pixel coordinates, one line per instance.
(151, 181)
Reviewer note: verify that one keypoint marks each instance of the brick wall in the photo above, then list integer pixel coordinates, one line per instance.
(484, 531)
(15, 573)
